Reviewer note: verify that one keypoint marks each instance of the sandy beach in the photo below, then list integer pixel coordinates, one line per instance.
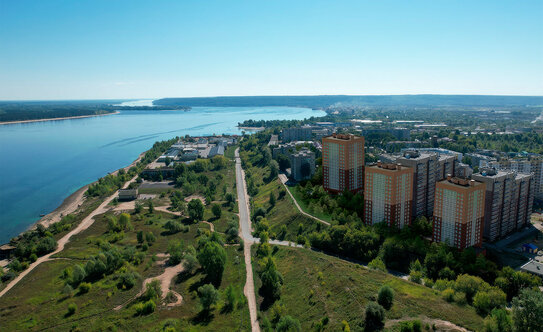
(72, 202)
(56, 119)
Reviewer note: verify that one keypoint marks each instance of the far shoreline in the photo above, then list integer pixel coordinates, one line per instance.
(56, 119)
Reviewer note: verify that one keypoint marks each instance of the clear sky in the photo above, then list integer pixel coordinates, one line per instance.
(150, 49)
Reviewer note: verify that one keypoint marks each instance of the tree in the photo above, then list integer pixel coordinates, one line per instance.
(272, 199)
(231, 298)
(528, 310)
(124, 221)
(217, 211)
(486, 301)
(288, 324)
(469, 285)
(274, 170)
(72, 307)
(386, 297)
(271, 279)
(190, 263)
(151, 207)
(139, 236)
(175, 249)
(375, 316)
(196, 209)
(173, 226)
(208, 296)
(212, 258)
(498, 321)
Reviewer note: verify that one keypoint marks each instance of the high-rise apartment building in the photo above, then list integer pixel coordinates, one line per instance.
(343, 163)
(388, 194)
(499, 194)
(523, 200)
(296, 134)
(302, 164)
(459, 212)
(425, 166)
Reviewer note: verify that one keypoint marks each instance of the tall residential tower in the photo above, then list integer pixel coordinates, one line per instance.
(459, 212)
(388, 194)
(343, 163)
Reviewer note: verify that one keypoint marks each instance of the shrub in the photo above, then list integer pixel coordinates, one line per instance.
(448, 295)
(71, 309)
(288, 324)
(127, 280)
(377, 264)
(386, 297)
(145, 308)
(85, 287)
(460, 298)
(415, 276)
(411, 326)
(208, 296)
(375, 316)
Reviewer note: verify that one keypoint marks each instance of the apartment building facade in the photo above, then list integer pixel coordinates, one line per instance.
(458, 215)
(388, 194)
(343, 163)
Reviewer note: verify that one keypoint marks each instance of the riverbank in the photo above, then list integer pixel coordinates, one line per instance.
(56, 119)
(73, 202)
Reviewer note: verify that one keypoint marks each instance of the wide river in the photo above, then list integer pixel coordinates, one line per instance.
(42, 163)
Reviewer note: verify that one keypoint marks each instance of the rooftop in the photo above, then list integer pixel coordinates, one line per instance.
(343, 137)
(461, 182)
(533, 267)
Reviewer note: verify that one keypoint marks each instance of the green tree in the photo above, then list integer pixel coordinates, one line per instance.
(217, 211)
(288, 324)
(486, 301)
(151, 206)
(139, 236)
(272, 199)
(212, 258)
(272, 280)
(375, 317)
(173, 226)
(196, 209)
(498, 321)
(124, 221)
(190, 263)
(208, 296)
(386, 297)
(528, 310)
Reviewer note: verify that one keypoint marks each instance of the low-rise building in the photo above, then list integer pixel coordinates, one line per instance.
(533, 267)
(128, 194)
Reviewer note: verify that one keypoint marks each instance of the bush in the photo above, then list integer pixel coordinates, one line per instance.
(377, 264)
(375, 316)
(386, 297)
(145, 308)
(127, 280)
(486, 301)
(84, 288)
(208, 296)
(288, 324)
(411, 326)
(448, 295)
(71, 309)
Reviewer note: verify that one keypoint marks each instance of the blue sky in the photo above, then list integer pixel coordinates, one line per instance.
(150, 49)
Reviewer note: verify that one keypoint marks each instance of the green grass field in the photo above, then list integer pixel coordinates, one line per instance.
(37, 302)
(284, 213)
(318, 285)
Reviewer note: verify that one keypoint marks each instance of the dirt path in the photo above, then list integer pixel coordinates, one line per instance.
(85, 223)
(441, 325)
(177, 213)
(283, 179)
(165, 281)
(245, 233)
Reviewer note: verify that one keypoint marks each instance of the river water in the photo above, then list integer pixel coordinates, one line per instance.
(42, 163)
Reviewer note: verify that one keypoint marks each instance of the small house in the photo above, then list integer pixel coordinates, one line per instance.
(128, 194)
(6, 251)
(529, 248)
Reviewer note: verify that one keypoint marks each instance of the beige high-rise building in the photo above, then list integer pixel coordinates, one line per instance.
(388, 194)
(343, 163)
(459, 212)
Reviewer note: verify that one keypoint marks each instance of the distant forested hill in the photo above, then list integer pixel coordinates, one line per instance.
(327, 100)
(21, 111)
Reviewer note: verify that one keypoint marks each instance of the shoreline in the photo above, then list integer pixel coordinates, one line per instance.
(72, 202)
(57, 119)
